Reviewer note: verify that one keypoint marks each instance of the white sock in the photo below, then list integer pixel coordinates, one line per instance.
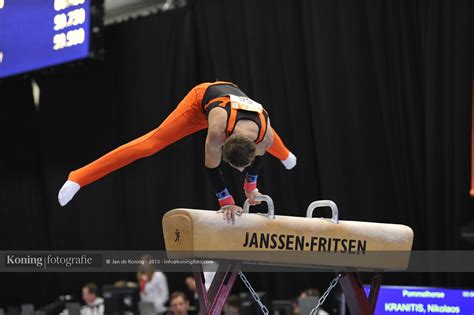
(290, 161)
(68, 191)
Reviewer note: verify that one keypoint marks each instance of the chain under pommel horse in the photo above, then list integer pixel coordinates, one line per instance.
(345, 247)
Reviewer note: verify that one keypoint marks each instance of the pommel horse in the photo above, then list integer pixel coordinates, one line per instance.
(342, 246)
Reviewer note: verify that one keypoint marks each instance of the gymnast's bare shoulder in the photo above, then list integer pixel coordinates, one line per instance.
(267, 140)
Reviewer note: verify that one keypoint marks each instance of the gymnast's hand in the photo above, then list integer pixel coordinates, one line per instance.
(229, 212)
(68, 191)
(251, 197)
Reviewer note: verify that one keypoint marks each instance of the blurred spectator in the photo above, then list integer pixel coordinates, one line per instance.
(153, 285)
(232, 305)
(296, 307)
(179, 303)
(192, 296)
(308, 293)
(191, 285)
(94, 304)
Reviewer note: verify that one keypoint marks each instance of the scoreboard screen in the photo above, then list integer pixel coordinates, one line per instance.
(423, 300)
(36, 34)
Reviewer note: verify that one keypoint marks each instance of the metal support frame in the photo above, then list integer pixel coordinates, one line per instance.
(355, 295)
(211, 302)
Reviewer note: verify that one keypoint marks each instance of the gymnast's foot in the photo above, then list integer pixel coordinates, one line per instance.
(68, 191)
(290, 161)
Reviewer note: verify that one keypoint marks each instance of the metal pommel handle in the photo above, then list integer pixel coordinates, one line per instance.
(265, 198)
(324, 203)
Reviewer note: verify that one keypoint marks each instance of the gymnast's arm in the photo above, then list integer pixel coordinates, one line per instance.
(213, 149)
(252, 172)
(215, 137)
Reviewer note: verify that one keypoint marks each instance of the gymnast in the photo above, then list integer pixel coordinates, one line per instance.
(239, 132)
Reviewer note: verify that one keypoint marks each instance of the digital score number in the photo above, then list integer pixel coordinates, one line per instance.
(69, 19)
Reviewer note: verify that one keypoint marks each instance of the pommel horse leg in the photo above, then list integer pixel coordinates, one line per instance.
(212, 302)
(355, 295)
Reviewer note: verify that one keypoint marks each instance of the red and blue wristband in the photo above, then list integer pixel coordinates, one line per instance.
(223, 195)
(250, 183)
(225, 198)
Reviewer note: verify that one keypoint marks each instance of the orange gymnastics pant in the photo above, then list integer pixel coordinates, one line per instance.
(187, 118)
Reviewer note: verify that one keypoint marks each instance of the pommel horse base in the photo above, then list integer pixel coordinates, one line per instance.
(342, 246)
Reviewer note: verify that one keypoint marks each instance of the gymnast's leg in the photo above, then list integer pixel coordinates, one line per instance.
(186, 119)
(281, 152)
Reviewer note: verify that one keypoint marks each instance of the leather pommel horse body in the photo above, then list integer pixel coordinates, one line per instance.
(289, 241)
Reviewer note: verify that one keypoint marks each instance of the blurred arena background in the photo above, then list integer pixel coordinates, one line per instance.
(374, 97)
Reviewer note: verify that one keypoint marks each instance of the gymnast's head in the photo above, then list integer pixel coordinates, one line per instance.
(239, 151)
